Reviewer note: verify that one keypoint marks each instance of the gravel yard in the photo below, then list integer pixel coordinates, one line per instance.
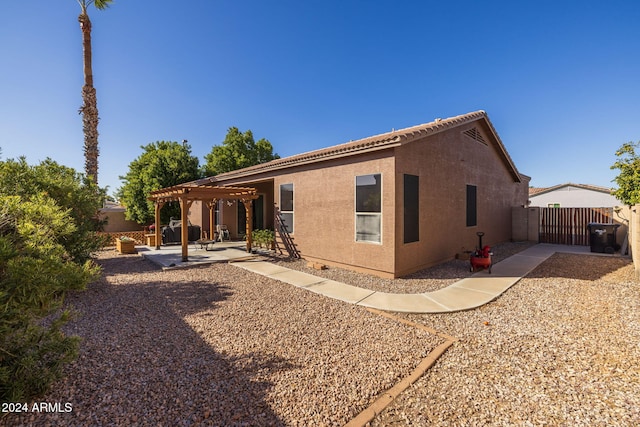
(561, 347)
(218, 345)
(427, 280)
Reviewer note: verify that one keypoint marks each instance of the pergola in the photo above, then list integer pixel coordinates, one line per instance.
(189, 192)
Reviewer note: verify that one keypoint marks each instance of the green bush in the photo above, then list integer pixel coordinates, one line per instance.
(36, 270)
(263, 238)
(78, 196)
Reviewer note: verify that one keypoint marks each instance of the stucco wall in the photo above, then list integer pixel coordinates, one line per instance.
(446, 163)
(324, 212)
(324, 202)
(116, 221)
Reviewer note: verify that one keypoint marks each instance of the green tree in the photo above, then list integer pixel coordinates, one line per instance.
(628, 180)
(162, 164)
(35, 273)
(72, 191)
(238, 150)
(89, 108)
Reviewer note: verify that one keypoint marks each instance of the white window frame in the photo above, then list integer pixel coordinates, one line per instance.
(362, 214)
(291, 227)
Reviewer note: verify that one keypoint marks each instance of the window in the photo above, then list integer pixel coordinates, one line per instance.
(369, 208)
(411, 209)
(472, 207)
(286, 207)
(553, 205)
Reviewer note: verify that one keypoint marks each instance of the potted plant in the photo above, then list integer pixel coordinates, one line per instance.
(126, 245)
(263, 238)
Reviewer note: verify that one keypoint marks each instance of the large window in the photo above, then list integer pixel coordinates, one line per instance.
(411, 209)
(286, 207)
(369, 208)
(472, 206)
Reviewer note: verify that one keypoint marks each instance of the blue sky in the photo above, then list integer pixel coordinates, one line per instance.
(560, 80)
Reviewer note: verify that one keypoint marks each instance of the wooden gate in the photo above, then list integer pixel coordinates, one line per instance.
(568, 226)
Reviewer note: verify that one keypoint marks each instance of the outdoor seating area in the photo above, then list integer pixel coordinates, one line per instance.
(202, 252)
(172, 233)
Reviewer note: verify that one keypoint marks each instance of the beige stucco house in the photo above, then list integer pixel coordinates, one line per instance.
(115, 221)
(571, 195)
(390, 204)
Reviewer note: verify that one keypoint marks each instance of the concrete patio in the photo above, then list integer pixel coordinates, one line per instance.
(170, 256)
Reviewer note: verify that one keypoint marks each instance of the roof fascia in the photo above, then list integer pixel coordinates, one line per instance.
(371, 144)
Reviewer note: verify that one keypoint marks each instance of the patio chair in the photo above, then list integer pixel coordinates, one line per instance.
(223, 232)
(204, 241)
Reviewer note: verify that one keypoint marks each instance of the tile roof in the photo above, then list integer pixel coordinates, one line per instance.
(535, 191)
(372, 143)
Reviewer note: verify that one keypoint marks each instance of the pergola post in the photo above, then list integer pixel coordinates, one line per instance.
(158, 206)
(184, 221)
(248, 205)
(212, 206)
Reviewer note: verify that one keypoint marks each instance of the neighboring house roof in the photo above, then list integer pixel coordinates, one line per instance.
(373, 143)
(537, 191)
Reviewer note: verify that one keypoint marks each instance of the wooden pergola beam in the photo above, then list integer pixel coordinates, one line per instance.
(187, 193)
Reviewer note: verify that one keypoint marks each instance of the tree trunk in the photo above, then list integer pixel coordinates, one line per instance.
(89, 108)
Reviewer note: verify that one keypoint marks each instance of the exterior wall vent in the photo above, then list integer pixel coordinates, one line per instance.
(475, 134)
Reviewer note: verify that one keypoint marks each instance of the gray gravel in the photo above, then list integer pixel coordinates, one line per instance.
(220, 346)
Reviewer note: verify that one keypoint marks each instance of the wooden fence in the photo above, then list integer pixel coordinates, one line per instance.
(568, 226)
(138, 236)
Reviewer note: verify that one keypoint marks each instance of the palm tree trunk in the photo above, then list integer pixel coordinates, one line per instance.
(89, 108)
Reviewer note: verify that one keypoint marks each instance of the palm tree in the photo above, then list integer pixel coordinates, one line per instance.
(89, 108)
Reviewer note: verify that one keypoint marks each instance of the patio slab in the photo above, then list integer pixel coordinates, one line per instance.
(348, 293)
(170, 256)
(488, 284)
(407, 303)
(459, 298)
(262, 267)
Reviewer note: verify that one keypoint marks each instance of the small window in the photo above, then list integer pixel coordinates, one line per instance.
(369, 208)
(411, 209)
(286, 207)
(553, 205)
(472, 207)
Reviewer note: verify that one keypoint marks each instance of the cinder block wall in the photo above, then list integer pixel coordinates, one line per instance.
(634, 237)
(525, 223)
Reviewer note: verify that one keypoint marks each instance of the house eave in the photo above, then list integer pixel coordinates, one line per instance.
(370, 144)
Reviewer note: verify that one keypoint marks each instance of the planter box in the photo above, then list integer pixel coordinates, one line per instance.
(151, 239)
(126, 247)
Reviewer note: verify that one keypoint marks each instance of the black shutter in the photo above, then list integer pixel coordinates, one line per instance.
(411, 209)
(472, 206)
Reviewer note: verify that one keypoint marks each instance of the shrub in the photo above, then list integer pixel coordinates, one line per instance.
(263, 237)
(36, 271)
(78, 196)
